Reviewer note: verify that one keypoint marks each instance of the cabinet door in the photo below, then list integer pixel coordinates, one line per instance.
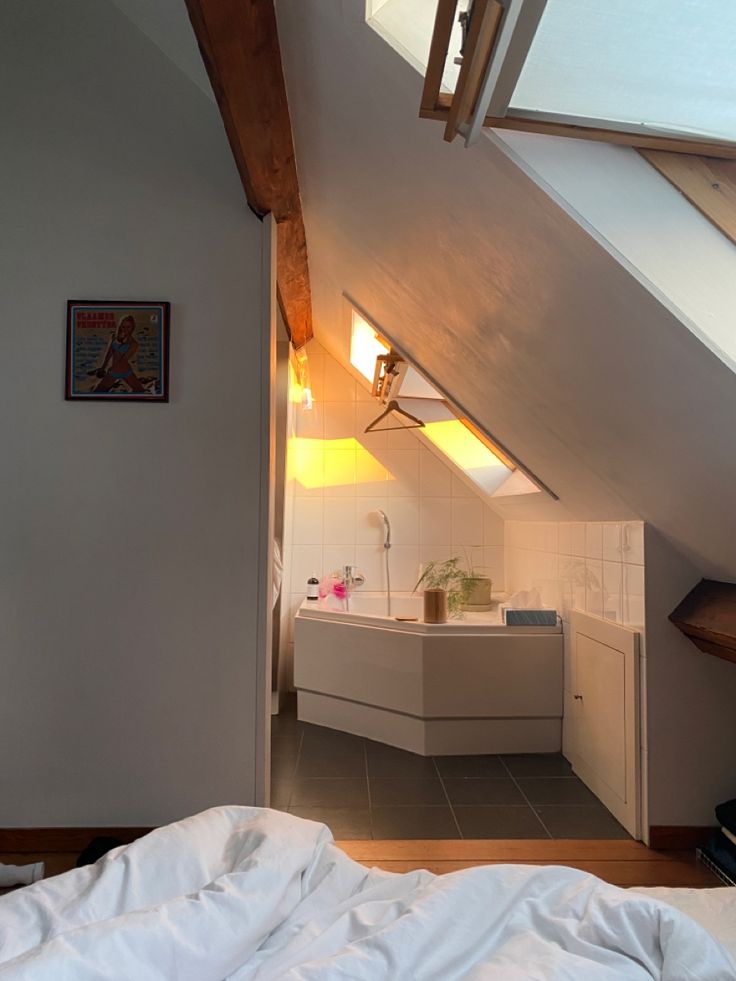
(603, 714)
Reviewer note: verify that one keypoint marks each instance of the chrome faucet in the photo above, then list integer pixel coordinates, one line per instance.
(351, 578)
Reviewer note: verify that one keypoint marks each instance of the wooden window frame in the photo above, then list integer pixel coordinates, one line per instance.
(458, 110)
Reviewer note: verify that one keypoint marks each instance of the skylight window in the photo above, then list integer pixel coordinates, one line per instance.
(406, 399)
(661, 66)
(657, 74)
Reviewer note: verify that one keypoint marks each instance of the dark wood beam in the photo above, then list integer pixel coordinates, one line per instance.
(240, 48)
(707, 616)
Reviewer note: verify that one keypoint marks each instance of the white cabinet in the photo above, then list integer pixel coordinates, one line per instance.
(602, 714)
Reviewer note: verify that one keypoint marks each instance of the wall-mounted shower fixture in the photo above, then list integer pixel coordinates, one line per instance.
(386, 548)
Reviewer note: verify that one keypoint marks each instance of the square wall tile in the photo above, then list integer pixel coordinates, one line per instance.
(512, 534)
(577, 539)
(371, 477)
(632, 542)
(493, 527)
(461, 489)
(633, 595)
(334, 557)
(493, 566)
(434, 553)
(310, 423)
(340, 521)
(401, 439)
(339, 420)
(467, 522)
(404, 561)
(594, 587)
(612, 591)
(564, 534)
(339, 384)
(594, 540)
(404, 518)
(370, 560)
(365, 413)
(611, 540)
(403, 472)
(305, 466)
(435, 521)
(339, 480)
(306, 561)
(317, 374)
(369, 524)
(435, 479)
(307, 521)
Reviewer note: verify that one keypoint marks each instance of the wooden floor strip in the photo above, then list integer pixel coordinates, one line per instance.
(621, 863)
(497, 850)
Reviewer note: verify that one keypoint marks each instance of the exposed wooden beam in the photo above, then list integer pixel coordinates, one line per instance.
(240, 47)
(708, 183)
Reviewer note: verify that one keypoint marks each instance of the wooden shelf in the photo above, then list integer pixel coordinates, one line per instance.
(707, 616)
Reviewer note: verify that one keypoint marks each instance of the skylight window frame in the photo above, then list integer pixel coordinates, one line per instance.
(504, 455)
(488, 80)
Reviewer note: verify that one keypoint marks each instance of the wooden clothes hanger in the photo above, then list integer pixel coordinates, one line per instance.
(393, 406)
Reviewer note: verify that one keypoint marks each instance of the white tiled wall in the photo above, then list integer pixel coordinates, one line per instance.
(433, 513)
(597, 567)
(593, 566)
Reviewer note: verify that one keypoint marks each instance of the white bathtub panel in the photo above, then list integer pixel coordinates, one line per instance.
(503, 676)
(363, 664)
(444, 737)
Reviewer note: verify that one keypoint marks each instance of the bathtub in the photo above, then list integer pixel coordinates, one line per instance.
(468, 686)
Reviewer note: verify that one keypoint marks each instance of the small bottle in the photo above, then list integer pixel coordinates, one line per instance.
(313, 588)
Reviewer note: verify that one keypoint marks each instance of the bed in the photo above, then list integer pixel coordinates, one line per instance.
(249, 893)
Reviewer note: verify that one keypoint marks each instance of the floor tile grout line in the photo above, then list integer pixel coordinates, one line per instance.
(368, 785)
(447, 796)
(296, 768)
(518, 787)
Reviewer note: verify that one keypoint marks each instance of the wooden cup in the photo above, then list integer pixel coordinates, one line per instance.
(435, 606)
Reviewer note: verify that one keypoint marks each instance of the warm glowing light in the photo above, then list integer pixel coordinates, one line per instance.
(365, 346)
(463, 448)
(317, 463)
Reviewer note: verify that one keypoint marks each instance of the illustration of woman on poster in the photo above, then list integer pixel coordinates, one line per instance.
(115, 365)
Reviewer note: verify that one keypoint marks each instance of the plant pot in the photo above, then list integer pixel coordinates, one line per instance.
(435, 606)
(479, 598)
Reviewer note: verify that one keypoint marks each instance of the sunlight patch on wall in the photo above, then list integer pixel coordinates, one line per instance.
(317, 463)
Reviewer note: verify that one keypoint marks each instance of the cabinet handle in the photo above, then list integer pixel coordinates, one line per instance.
(578, 697)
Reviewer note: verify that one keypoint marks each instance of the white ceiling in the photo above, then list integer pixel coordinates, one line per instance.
(502, 297)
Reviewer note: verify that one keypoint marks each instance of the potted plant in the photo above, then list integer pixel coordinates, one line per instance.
(449, 577)
(479, 594)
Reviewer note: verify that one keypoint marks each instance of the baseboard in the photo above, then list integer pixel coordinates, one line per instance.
(19, 840)
(674, 836)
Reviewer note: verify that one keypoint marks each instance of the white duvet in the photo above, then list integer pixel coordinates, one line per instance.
(246, 893)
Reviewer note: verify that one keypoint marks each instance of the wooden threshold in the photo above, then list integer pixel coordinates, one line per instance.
(621, 863)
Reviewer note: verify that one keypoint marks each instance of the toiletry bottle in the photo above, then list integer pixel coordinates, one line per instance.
(313, 588)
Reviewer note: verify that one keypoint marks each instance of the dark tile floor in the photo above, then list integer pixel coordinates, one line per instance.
(364, 789)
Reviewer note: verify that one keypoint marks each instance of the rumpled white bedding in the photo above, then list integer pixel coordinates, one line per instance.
(247, 893)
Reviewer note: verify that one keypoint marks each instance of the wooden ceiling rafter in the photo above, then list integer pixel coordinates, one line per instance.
(239, 43)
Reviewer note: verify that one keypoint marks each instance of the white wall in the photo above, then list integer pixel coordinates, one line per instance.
(128, 579)
(339, 475)
(691, 702)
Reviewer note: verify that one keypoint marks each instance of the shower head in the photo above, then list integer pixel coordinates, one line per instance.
(387, 525)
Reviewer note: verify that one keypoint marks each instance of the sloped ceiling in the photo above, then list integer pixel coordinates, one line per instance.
(527, 321)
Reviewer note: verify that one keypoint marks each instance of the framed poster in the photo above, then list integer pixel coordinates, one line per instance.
(117, 351)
